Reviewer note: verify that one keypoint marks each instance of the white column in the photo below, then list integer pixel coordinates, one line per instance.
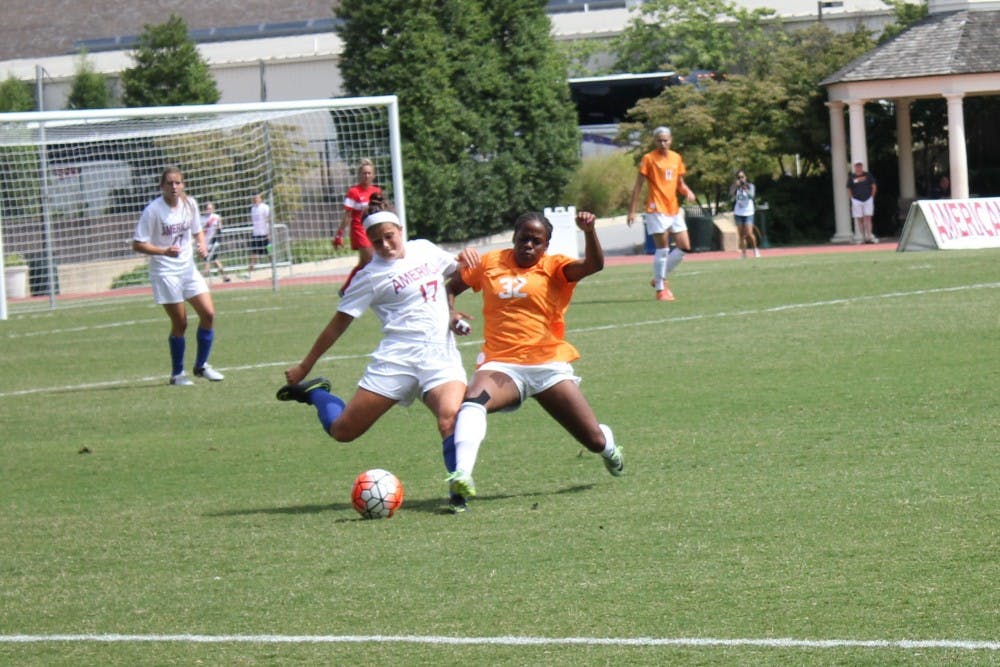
(904, 149)
(859, 142)
(838, 163)
(958, 163)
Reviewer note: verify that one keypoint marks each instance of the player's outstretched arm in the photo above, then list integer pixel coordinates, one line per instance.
(334, 330)
(593, 253)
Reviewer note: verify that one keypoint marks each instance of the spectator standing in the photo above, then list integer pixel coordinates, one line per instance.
(943, 188)
(662, 171)
(211, 224)
(742, 193)
(862, 188)
(260, 239)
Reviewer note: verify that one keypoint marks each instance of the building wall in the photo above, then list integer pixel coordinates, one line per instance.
(306, 66)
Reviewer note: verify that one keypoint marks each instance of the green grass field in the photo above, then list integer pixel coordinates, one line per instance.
(812, 478)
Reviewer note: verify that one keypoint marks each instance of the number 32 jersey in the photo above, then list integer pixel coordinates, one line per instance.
(523, 309)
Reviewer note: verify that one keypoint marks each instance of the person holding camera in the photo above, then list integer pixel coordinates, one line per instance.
(742, 193)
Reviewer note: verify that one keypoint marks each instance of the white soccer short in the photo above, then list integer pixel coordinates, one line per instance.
(405, 371)
(531, 380)
(178, 287)
(657, 223)
(862, 209)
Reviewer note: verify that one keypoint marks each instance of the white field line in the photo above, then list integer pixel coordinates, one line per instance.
(468, 342)
(709, 642)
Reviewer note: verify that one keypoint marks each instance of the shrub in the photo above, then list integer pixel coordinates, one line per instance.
(137, 276)
(800, 209)
(602, 184)
(316, 250)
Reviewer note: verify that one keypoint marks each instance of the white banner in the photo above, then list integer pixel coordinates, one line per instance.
(952, 224)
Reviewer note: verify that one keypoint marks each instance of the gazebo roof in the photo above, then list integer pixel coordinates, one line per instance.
(962, 42)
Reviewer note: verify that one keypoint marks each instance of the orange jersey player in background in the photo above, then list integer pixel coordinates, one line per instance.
(662, 172)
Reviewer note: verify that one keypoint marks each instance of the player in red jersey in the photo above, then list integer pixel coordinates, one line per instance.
(355, 204)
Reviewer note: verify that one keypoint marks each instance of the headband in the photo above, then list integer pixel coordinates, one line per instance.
(379, 217)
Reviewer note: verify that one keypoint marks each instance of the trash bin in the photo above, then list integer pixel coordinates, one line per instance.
(38, 275)
(762, 209)
(701, 229)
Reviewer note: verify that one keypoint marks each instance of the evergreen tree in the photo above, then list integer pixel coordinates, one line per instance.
(168, 69)
(485, 113)
(16, 95)
(90, 89)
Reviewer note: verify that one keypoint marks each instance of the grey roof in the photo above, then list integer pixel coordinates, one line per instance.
(37, 28)
(965, 42)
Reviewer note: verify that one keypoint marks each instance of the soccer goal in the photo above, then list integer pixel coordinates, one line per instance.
(73, 184)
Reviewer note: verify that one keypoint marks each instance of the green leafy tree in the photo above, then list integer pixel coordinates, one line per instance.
(16, 95)
(90, 89)
(800, 63)
(488, 126)
(906, 13)
(18, 164)
(692, 34)
(168, 69)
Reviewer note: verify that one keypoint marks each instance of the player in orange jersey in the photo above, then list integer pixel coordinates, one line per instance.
(662, 170)
(525, 297)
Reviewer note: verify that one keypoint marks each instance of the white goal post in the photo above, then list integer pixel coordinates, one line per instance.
(73, 184)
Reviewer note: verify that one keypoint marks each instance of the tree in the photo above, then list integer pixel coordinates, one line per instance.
(691, 34)
(801, 62)
(488, 126)
(90, 90)
(906, 13)
(16, 95)
(785, 69)
(168, 69)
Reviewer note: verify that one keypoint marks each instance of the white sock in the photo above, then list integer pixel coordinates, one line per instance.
(675, 257)
(609, 444)
(470, 431)
(659, 267)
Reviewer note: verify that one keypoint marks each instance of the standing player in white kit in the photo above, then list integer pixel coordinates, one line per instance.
(167, 231)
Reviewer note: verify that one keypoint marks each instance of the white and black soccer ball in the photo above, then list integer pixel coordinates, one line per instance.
(377, 494)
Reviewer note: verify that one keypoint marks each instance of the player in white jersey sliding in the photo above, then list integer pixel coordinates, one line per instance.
(404, 285)
(168, 231)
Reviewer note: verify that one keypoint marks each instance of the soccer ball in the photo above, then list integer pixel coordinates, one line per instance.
(377, 494)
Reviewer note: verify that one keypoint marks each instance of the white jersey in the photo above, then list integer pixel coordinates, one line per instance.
(260, 217)
(211, 224)
(407, 295)
(163, 227)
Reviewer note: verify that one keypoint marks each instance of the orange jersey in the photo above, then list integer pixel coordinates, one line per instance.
(663, 174)
(523, 309)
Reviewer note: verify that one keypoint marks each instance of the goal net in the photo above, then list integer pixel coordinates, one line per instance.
(73, 184)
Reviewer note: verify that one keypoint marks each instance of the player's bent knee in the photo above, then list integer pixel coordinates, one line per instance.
(343, 434)
(482, 399)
